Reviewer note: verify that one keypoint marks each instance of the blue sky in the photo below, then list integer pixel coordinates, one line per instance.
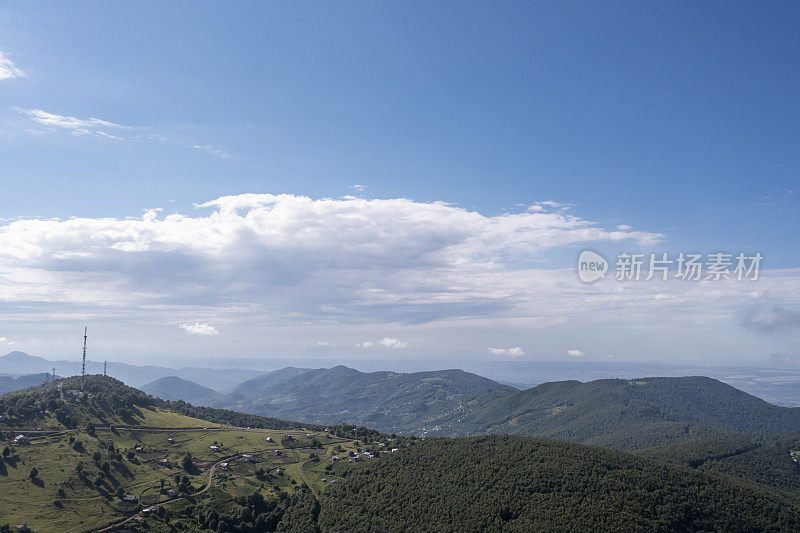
(678, 121)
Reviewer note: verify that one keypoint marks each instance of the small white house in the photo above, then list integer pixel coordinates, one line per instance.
(21, 439)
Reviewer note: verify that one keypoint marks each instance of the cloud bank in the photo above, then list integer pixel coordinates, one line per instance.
(292, 261)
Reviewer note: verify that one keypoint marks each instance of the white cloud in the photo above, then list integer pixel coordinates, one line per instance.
(575, 353)
(391, 342)
(4, 340)
(386, 342)
(358, 187)
(289, 256)
(78, 126)
(200, 328)
(8, 69)
(516, 351)
(623, 227)
(386, 265)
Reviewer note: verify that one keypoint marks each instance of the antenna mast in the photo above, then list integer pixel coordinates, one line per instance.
(83, 367)
(105, 369)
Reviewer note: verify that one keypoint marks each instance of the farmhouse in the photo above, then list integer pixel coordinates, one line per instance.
(21, 439)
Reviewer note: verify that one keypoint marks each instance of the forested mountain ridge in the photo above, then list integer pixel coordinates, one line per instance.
(505, 483)
(628, 414)
(762, 460)
(388, 401)
(616, 413)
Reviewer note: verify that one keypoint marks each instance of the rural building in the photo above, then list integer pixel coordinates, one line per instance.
(21, 439)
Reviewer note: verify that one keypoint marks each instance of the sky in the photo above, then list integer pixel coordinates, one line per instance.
(397, 180)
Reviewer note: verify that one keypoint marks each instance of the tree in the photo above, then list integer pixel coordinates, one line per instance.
(186, 462)
(34, 473)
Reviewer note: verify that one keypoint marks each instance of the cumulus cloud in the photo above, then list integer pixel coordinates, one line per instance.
(351, 259)
(200, 328)
(516, 351)
(386, 342)
(8, 69)
(293, 260)
(391, 342)
(358, 187)
(576, 353)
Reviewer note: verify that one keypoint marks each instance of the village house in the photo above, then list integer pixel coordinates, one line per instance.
(21, 439)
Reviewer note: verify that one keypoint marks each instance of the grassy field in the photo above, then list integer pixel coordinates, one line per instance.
(77, 487)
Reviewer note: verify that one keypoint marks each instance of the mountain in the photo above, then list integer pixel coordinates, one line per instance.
(387, 401)
(628, 414)
(19, 363)
(175, 388)
(615, 413)
(504, 483)
(260, 383)
(115, 440)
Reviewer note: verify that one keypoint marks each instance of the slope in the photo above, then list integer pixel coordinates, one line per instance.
(520, 484)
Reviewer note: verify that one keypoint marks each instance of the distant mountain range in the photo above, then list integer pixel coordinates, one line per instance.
(389, 401)
(625, 414)
(615, 413)
(174, 388)
(20, 363)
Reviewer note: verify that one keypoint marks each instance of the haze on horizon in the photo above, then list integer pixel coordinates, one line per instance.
(396, 183)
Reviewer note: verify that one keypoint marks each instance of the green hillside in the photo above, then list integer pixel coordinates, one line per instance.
(202, 469)
(504, 483)
(765, 461)
(84, 455)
